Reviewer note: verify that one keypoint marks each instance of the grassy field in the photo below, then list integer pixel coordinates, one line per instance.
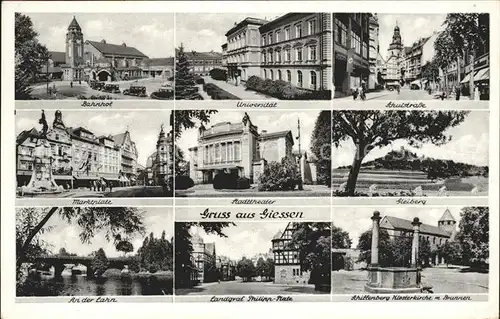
(389, 181)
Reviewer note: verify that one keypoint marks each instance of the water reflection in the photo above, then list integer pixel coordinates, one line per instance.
(80, 285)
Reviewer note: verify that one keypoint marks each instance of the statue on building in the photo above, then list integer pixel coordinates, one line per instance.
(246, 119)
(45, 126)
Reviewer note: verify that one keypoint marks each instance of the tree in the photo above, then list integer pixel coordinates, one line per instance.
(374, 129)
(99, 263)
(63, 252)
(113, 221)
(245, 269)
(340, 238)
(125, 247)
(185, 86)
(445, 52)
(260, 268)
(156, 253)
(451, 251)
(430, 70)
(313, 243)
(186, 119)
(269, 269)
(401, 250)
(184, 247)
(467, 35)
(30, 56)
(385, 249)
(473, 235)
(321, 146)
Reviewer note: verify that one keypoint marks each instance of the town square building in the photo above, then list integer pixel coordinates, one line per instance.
(240, 149)
(99, 60)
(205, 260)
(295, 48)
(351, 61)
(159, 164)
(79, 156)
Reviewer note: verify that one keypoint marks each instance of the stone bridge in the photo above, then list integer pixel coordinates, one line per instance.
(60, 262)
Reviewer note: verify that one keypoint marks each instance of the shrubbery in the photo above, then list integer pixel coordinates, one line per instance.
(243, 183)
(230, 181)
(183, 182)
(199, 80)
(216, 93)
(283, 90)
(153, 268)
(218, 74)
(279, 176)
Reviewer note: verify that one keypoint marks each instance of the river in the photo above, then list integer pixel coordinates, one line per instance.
(80, 285)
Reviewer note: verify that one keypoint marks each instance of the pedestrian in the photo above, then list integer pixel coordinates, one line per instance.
(110, 186)
(71, 84)
(457, 92)
(443, 95)
(354, 93)
(476, 93)
(80, 82)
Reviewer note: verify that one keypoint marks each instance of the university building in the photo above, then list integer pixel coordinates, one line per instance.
(240, 149)
(351, 41)
(287, 268)
(202, 63)
(79, 156)
(98, 60)
(295, 47)
(436, 236)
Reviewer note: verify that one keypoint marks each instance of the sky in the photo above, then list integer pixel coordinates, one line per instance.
(150, 33)
(245, 239)
(356, 220)
(156, 220)
(272, 121)
(144, 126)
(411, 26)
(469, 144)
(204, 32)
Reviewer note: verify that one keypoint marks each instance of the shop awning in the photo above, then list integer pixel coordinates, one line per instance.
(483, 74)
(466, 79)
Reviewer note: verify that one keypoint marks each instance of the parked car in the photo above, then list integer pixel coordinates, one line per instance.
(414, 86)
(163, 94)
(96, 85)
(392, 86)
(111, 88)
(136, 91)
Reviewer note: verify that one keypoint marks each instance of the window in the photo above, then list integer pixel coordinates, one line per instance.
(299, 79)
(288, 76)
(298, 30)
(298, 54)
(264, 57)
(287, 55)
(341, 34)
(279, 74)
(312, 53)
(265, 74)
(237, 151)
(270, 56)
(278, 36)
(356, 43)
(270, 38)
(271, 74)
(287, 33)
(278, 56)
(365, 50)
(312, 27)
(433, 240)
(313, 80)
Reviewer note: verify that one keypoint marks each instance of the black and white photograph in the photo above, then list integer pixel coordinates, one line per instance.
(254, 153)
(410, 153)
(398, 250)
(94, 251)
(81, 56)
(252, 258)
(253, 56)
(406, 56)
(94, 154)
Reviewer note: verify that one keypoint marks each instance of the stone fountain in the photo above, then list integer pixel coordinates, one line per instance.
(42, 181)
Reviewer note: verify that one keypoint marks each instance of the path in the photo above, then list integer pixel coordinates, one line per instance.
(239, 91)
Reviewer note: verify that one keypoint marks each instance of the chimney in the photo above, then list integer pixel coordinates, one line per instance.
(124, 45)
(103, 41)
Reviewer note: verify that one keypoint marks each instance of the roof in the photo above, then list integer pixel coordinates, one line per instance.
(194, 55)
(102, 60)
(25, 134)
(119, 138)
(58, 56)
(278, 235)
(401, 223)
(447, 216)
(271, 24)
(245, 22)
(407, 50)
(278, 134)
(159, 61)
(74, 24)
(115, 49)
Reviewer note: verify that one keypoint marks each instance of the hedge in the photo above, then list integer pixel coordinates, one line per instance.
(183, 182)
(230, 181)
(283, 90)
(279, 176)
(199, 80)
(218, 74)
(216, 93)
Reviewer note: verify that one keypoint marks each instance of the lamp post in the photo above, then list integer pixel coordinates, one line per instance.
(300, 156)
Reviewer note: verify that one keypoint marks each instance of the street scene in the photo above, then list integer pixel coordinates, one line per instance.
(255, 154)
(253, 56)
(94, 251)
(418, 153)
(417, 250)
(94, 154)
(94, 56)
(251, 258)
(411, 56)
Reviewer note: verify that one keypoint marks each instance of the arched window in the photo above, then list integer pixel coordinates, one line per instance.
(299, 79)
(313, 80)
(279, 75)
(265, 74)
(271, 74)
(288, 76)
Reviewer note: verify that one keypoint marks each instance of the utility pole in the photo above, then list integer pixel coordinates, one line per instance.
(300, 156)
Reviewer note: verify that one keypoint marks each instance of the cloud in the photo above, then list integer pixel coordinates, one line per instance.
(206, 33)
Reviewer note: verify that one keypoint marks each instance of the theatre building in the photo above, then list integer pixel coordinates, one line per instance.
(295, 47)
(351, 39)
(287, 268)
(237, 148)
